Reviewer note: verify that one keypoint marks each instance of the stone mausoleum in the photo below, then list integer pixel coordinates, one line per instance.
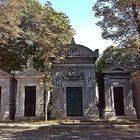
(118, 93)
(29, 95)
(74, 94)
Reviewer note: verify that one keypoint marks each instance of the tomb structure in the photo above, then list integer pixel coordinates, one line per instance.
(74, 95)
(118, 93)
(30, 95)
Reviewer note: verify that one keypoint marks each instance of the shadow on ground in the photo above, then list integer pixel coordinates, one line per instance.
(69, 132)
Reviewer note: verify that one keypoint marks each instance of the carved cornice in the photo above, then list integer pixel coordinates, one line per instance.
(73, 75)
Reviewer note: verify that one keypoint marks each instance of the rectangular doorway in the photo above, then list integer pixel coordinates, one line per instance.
(118, 101)
(74, 101)
(30, 101)
(0, 98)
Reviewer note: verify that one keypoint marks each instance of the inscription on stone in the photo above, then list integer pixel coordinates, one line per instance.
(73, 74)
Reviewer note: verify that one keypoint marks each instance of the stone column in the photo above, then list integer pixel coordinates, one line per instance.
(109, 100)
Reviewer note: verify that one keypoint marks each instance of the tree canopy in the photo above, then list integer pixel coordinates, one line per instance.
(119, 19)
(113, 56)
(29, 29)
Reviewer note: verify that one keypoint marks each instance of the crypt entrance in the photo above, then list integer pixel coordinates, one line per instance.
(74, 101)
(74, 92)
(118, 93)
(30, 95)
(118, 101)
(30, 101)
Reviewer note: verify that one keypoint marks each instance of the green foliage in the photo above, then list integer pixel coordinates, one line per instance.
(118, 56)
(10, 13)
(119, 19)
(28, 28)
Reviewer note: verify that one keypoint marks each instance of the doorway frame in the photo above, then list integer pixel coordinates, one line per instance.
(112, 98)
(80, 100)
(22, 97)
(120, 106)
(73, 84)
(35, 94)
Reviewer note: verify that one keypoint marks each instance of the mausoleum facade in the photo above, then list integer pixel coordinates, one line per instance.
(29, 95)
(74, 94)
(118, 93)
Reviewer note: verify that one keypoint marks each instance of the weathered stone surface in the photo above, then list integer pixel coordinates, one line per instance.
(5, 85)
(29, 77)
(118, 77)
(78, 70)
(136, 93)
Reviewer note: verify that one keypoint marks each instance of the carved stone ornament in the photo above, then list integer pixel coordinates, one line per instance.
(58, 82)
(75, 51)
(90, 81)
(73, 75)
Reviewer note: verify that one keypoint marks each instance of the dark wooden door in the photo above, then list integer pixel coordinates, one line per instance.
(74, 101)
(118, 101)
(30, 101)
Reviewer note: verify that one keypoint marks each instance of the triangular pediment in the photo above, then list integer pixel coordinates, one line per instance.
(30, 73)
(4, 74)
(116, 69)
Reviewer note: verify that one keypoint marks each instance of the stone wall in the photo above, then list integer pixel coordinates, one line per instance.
(5, 84)
(136, 93)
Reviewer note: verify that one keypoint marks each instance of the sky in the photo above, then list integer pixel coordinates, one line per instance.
(83, 21)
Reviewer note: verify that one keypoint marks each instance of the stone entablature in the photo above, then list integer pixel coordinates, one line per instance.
(5, 93)
(117, 82)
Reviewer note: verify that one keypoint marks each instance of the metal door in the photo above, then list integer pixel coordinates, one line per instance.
(118, 101)
(30, 101)
(74, 101)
